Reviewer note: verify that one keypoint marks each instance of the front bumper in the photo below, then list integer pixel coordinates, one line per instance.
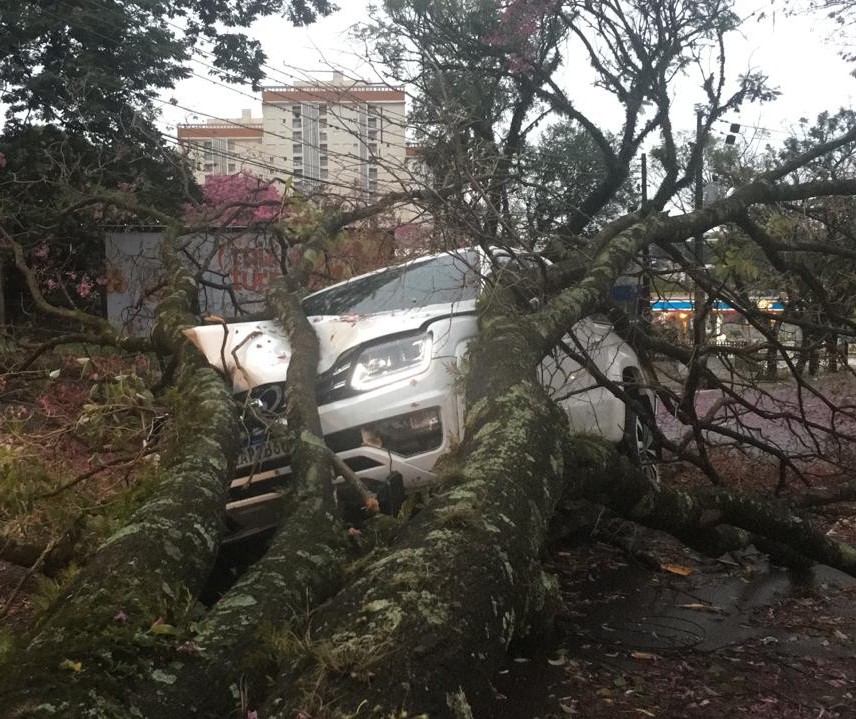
(402, 428)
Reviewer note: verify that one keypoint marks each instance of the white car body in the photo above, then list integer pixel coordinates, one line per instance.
(402, 420)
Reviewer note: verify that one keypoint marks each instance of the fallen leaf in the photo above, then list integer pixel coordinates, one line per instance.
(677, 569)
(702, 607)
(645, 712)
(70, 666)
(644, 655)
(558, 661)
(163, 629)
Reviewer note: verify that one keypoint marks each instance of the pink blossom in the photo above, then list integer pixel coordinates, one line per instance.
(41, 251)
(121, 617)
(222, 198)
(519, 26)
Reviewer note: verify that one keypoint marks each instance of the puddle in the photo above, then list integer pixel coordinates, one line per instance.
(622, 620)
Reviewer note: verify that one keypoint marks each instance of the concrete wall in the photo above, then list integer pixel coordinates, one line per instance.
(235, 266)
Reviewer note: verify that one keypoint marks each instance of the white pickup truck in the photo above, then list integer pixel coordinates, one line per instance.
(391, 342)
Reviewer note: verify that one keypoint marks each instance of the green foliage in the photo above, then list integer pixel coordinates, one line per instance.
(80, 86)
(22, 478)
(120, 410)
(85, 64)
(562, 167)
(7, 645)
(738, 261)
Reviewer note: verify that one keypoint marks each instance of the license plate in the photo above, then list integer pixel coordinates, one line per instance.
(261, 453)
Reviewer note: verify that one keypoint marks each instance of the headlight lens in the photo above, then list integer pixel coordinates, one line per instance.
(392, 361)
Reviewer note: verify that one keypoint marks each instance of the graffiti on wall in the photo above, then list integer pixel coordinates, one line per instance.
(235, 268)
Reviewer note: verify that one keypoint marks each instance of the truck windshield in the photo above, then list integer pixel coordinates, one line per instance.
(441, 280)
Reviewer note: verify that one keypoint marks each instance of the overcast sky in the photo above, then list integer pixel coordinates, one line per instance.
(794, 52)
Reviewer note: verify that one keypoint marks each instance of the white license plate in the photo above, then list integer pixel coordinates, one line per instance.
(262, 453)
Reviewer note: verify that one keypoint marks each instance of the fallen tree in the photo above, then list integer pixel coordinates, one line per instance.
(422, 625)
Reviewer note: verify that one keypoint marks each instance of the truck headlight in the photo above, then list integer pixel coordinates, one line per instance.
(392, 361)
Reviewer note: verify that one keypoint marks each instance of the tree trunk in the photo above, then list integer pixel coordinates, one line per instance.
(424, 628)
(236, 645)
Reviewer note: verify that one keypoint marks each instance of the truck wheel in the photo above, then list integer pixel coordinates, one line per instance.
(640, 442)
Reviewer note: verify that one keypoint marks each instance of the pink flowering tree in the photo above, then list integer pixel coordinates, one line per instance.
(236, 200)
(524, 31)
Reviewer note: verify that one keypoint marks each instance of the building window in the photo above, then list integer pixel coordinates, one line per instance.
(323, 160)
(297, 136)
(322, 122)
(322, 109)
(231, 168)
(296, 149)
(322, 147)
(324, 173)
(322, 136)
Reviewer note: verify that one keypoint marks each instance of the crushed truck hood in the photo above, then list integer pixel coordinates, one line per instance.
(256, 353)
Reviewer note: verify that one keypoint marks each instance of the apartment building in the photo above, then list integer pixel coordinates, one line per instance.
(338, 137)
(225, 147)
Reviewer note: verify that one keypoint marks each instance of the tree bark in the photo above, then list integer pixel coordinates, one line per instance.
(235, 647)
(425, 628)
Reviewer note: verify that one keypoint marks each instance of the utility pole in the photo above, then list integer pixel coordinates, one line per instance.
(644, 300)
(699, 334)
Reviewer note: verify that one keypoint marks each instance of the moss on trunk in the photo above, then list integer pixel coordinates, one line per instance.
(428, 624)
(238, 644)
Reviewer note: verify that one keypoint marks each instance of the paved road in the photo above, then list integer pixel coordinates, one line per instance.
(796, 421)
